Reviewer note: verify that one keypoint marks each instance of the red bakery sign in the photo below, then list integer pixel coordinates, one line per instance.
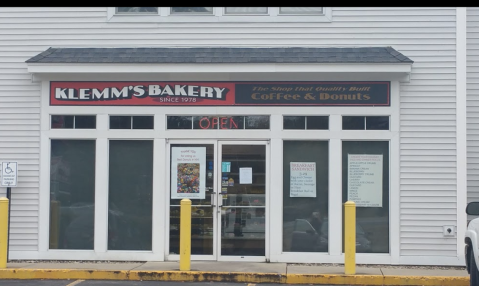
(220, 93)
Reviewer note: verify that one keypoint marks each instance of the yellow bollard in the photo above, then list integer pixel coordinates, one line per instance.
(185, 235)
(3, 232)
(349, 238)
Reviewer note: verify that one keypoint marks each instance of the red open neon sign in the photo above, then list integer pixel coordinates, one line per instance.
(213, 122)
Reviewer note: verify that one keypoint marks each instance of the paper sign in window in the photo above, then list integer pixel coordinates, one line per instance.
(188, 169)
(365, 179)
(302, 179)
(246, 175)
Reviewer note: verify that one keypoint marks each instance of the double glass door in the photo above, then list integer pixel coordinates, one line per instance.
(226, 183)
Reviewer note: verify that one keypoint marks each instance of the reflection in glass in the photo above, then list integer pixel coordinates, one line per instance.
(304, 229)
(143, 122)
(353, 122)
(294, 122)
(372, 228)
(85, 121)
(130, 194)
(257, 122)
(120, 122)
(317, 122)
(179, 122)
(72, 194)
(192, 10)
(201, 230)
(201, 212)
(205, 122)
(218, 122)
(62, 121)
(377, 122)
(231, 122)
(137, 9)
(243, 212)
(246, 10)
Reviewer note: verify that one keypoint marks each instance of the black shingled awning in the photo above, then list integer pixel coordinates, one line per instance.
(221, 55)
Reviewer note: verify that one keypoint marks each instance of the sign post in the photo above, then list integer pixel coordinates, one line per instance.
(9, 179)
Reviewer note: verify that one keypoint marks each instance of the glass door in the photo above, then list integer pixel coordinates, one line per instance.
(226, 183)
(242, 200)
(192, 176)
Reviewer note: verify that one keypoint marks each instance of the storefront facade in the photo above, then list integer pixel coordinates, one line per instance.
(261, 160)
(268, 143)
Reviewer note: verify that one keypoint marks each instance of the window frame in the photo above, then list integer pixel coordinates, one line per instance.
(132, 121)
(219, 15)
(74, 117)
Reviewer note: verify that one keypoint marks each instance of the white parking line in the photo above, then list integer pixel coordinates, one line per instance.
(75, 282)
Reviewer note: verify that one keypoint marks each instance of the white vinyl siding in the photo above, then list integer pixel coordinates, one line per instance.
(473, 104)
(427, 167)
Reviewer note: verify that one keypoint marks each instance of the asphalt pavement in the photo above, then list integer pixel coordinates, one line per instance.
(237, 272)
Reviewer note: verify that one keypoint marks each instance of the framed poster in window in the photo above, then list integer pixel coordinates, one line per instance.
(188, 169)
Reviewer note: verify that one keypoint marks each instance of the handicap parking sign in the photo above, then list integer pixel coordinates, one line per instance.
(9, 174)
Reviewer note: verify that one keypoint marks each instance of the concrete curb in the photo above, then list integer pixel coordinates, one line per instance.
(246, 277)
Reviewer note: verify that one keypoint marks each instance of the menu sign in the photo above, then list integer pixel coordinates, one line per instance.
(365, 180)
(188, 169)
(302, 179)
(147, 93)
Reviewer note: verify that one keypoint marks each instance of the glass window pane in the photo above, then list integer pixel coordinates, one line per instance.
(72, 194)
(246, 10)
(120, 122)
(353, 122)
(202, 216)
(372, 223)
(317, 122)
(142, 122)
(130, 195)
(377, 122)
(192, 10)
(121, 10)
(246, 222)
(205, 122)
(294, 122)
(257, 122)
(85, 121)
(231, 122)
(301, 10)
(305, 209)
(218, 122)
(62, 121)
(179, 122)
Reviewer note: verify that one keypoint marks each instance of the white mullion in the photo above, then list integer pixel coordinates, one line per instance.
(335, 184)
(275, 198)
(101, 184)
(164, 11)
(218, 11)
(159, 203)
(101, 196)
(273, 11)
